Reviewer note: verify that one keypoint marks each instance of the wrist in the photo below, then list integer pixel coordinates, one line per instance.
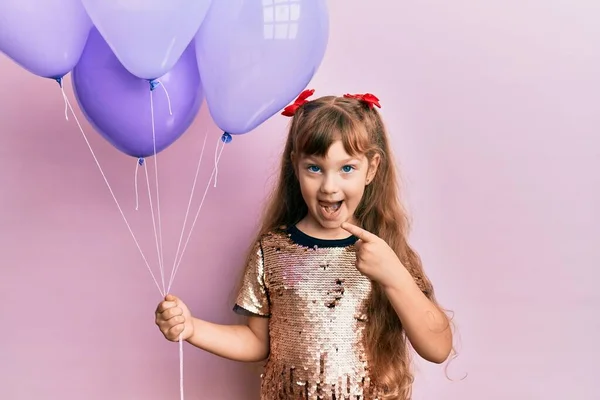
(194, 327)
(398, 278)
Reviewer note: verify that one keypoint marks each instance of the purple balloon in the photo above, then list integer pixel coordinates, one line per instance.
(255, 57)
(117, 103)
(44, 37)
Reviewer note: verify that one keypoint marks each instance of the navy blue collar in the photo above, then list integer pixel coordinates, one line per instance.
(303, 239)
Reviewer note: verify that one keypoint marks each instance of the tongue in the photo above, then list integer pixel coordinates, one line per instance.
(332, 207)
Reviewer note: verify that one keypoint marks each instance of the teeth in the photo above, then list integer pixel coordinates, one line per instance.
(331, 207)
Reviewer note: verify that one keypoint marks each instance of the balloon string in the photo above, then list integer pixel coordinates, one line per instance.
(135, 182)
(112, 194)
(198, 212)
(161, 262)
(185, 219)
(69, 107)
(64, 95)
(168, 97)
(161, 253)
(154, 225)
(180, 368)
(217, 156)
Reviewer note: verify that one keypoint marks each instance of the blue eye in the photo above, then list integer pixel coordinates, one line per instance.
(314, 168)
(347, 168)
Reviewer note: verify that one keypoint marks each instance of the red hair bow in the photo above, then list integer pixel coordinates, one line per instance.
(290, 110)
(367, 98)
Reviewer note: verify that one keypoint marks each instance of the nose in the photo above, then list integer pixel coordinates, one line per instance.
(329, 184)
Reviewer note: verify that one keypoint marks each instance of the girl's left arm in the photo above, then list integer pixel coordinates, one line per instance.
(426, 326)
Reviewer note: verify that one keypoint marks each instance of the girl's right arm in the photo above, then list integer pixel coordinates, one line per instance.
(246, 343)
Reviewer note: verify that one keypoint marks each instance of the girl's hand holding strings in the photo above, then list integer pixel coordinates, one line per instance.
(374, 258)
(174, 319)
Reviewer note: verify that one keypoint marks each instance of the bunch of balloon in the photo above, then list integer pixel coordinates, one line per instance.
(249, 58)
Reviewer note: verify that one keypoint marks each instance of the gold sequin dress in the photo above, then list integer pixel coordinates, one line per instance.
(316, 301)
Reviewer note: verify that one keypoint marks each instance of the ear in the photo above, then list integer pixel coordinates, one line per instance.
(373, 166)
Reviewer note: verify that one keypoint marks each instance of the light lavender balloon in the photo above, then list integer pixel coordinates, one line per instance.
(256, 56)
(44, 37)
(147, 36)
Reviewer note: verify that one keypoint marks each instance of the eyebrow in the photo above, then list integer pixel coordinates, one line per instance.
(317, 159)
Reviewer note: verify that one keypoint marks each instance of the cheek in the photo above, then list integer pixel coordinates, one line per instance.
(308, 187)
(354, 190)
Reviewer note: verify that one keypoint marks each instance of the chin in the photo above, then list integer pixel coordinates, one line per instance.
(333, 223)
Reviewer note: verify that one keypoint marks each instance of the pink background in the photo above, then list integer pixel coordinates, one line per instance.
(493, 110)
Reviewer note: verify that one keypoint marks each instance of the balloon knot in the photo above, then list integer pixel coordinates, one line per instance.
(226, 137)
(140, 161)
(154, 84)
(59, 81)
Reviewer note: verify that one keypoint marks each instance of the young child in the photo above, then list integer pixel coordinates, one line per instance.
(333, 293)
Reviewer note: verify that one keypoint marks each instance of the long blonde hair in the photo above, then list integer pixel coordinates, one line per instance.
(314, 127)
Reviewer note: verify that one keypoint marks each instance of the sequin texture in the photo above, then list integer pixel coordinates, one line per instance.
(316, 300)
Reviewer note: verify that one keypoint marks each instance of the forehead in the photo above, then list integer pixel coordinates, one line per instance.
(335, 153)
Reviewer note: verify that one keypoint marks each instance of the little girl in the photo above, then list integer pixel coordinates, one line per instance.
(333, 293)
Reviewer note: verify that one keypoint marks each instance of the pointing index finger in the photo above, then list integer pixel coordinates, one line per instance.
(360, 233)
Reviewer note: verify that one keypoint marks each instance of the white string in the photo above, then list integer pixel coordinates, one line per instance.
(69, 107)
(216, 162)
(160, 240)
(135, 182)
(154, 226)
(199, 208)
(168, 97)
(161, 255)
(64, 95)
(180, 368)
(187, 211)
(113, 194)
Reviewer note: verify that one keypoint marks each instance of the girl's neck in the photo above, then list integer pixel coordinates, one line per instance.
(311, 227)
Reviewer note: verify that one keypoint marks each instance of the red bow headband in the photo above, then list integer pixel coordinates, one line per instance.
(290, 110)
(369, 99)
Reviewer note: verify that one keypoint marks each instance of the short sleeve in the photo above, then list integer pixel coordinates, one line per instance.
(253, 298)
